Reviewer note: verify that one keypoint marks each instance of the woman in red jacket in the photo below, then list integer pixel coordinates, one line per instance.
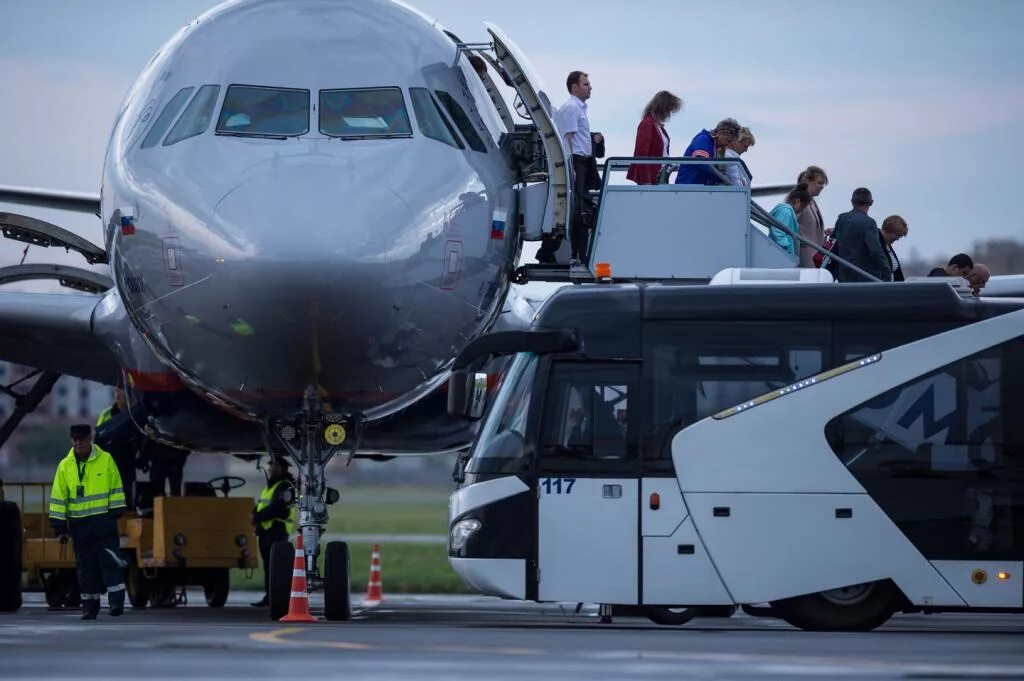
(651, 138)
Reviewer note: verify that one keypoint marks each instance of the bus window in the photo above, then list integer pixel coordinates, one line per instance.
(943, 455)
(500, 447)
(853, 340)
(694, 370)
(586, 412)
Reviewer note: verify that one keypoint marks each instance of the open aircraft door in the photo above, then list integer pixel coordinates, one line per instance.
(556, 198)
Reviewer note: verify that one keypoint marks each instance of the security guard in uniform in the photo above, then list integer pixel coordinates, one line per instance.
(274, 517)
(86, 500)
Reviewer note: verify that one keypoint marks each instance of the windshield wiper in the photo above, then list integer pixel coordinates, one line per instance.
(253, 134)
(373, 136)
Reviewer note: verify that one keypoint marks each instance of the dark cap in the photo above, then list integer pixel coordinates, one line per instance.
(81, 430)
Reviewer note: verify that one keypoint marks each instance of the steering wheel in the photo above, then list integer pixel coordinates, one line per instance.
(226, 483)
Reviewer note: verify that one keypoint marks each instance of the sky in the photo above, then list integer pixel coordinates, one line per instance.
(917, 100)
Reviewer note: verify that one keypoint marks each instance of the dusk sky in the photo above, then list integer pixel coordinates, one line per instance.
(918, 100)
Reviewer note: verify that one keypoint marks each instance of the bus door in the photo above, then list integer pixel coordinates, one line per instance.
(588, 484)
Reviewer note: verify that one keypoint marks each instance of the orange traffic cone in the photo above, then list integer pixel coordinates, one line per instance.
(298, 604)
(374, 593)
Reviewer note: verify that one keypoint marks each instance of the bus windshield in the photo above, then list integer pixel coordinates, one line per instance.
(500, 447)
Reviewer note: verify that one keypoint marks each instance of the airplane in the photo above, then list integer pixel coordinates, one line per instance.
(310, 207)
(307, 215)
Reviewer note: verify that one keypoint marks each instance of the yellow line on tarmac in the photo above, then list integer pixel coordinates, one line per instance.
(275, 636)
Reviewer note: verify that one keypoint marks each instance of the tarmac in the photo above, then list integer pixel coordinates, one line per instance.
(470, 637)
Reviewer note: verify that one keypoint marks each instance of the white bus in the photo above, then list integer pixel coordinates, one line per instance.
(837, 452)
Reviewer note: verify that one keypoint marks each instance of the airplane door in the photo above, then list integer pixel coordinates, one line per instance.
(528, 86)
(588, 485)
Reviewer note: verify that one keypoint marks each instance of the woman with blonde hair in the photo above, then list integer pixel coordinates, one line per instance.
(893, 229)
(743, 141)
(652, 140)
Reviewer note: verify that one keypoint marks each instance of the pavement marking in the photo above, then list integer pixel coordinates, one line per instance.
(274, 636)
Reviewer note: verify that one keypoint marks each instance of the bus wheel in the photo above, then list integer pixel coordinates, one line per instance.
(10, 556)
(670, 616)
(216, 586)
(282, 561)
(337, 598)
(860, 607)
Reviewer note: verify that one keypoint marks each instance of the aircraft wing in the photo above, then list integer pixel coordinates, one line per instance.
(55, 332)
(78, 202)
(764, 190)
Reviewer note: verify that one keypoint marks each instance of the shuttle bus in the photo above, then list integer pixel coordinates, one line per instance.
(830, 454)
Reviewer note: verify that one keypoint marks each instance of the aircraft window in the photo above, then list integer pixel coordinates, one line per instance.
(163, 121)
(197, 116)
(355, 114)
(458, 115)
(264, 112)
(431, 121)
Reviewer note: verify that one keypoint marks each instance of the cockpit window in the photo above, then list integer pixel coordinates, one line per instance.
(197, 116)
(431, 121)
(458, 115)
(264, 112)
(163, 121)
(356, 114)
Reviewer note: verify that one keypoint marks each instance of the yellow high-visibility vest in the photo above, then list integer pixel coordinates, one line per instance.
(105, 416)
(266, 496)
(86, 488)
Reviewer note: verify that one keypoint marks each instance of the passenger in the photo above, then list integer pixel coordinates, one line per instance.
(652, 140)
(479, 65)
(978, 277)
(740, 145)
(960, 265)
(857, 241)
(786, 213)
(893, 229)
(812, 226)
(706, 145)
(574, 124)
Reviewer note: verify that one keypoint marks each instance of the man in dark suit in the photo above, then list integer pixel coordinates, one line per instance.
(857, 241)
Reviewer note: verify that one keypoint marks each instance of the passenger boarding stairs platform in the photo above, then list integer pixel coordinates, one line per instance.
(672, 232)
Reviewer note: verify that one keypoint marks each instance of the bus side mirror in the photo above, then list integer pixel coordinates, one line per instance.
(467, 394)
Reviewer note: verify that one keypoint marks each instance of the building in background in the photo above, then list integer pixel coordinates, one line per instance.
(72, 399)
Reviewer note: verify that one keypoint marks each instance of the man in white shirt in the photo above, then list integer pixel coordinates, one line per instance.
(574, 125)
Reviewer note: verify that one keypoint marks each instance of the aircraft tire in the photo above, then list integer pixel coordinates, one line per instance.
(337, 583)
(861, 607)
(217, 586)
(10, 557)
(670, 616)
(282, 561)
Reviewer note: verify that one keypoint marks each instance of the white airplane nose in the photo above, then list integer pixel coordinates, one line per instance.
(313, 214)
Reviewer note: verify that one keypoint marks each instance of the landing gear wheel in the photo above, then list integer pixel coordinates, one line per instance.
(860, 607)
(137, 586)
(282, 561)
(670, 616)
(337, 588)
(10, 557)
(61, 590)
(216, 586)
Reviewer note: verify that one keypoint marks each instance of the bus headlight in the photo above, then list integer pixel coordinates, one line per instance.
(461, 532)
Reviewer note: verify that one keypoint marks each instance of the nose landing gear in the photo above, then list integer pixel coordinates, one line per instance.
(311, 439)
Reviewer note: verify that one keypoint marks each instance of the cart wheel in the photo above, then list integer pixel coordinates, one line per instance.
(61, 590)
(282, 560)
(10, 557)
(337, 599)
(137, 585)
(216, 587)
(670, 616)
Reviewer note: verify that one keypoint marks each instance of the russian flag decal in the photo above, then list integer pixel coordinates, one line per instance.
(127, 225)
(498, 224)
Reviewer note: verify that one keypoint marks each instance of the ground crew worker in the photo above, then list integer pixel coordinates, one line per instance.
(274, 517)
(124, 449)
(86, 500)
